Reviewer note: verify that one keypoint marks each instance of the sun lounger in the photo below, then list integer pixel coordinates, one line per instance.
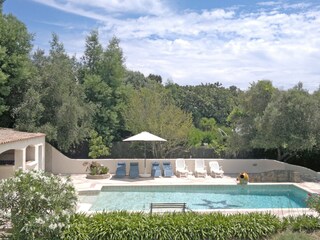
(215, 169)
(134, 170)
(199, 168)
(181, 168)
(121, 170)
(167, 169)
(155, 169)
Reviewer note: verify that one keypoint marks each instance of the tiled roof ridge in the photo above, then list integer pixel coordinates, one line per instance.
(8, 135)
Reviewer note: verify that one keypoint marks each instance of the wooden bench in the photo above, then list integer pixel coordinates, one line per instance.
(168, 206)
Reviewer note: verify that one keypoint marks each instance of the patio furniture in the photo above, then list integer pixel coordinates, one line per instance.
(155, 169)
(215, 169)
(181, 168)
(167, 169)
(199, 168)
(121, 170)
(134, 170)
(145, 137)
(168, 206)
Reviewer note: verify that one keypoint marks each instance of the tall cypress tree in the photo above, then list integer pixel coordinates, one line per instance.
(103, 81)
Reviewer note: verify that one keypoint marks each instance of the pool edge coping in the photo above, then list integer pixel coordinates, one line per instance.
(85, 207)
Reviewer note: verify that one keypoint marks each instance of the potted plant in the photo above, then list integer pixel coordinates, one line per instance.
(243, 178)
(96, 170)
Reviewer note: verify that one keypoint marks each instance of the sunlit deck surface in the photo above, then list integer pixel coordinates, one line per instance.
(81, 184)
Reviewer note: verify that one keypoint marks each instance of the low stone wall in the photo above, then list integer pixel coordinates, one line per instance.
(276, 176)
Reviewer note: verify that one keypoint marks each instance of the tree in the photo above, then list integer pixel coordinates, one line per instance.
(54, 103)
(245, 117)
(96, 146)
(135, 79)
(112, 67)
(288, 123)
(316, 124)
(93, 53)
(1, 5)
(152, 109)
(156, 78)
(210, 135)
(103, 83)
(269, 119)
(209, 101)
(15, 68)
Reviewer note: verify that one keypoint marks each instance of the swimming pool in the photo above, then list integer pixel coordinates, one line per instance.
(198, 197)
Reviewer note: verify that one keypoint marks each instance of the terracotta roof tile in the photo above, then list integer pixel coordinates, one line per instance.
(10, 135)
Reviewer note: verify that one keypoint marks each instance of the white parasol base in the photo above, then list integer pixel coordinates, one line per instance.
(145, 175)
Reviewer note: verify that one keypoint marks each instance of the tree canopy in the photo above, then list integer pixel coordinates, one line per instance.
(55, 103)
(15, 68)
(271, 119)
(96, 100)
(205, 100)
(152, 109)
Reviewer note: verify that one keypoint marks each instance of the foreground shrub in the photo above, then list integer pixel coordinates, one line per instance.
(303, 223)
(313, 201)
(287, 235)
(37, 205)
(124, 225)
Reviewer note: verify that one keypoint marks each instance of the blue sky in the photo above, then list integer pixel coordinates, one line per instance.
(234, 42)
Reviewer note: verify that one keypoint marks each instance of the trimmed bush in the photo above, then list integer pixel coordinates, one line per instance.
(124, 225)
(37, 205)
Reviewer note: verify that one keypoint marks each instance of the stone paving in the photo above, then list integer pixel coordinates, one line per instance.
(82, 184)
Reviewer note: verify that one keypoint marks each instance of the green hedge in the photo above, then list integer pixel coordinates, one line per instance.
(124, 225)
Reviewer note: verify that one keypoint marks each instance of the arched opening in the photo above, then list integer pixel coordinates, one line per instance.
(7, 164)
(7, 157)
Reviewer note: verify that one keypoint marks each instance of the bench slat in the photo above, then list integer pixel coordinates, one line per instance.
(181, 206)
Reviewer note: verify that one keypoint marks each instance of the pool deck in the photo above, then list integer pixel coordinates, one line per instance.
(82, 184)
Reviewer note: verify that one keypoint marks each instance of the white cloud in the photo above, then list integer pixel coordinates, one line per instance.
(154, 7)
(229, 46)
(98, 9)
(270, 3)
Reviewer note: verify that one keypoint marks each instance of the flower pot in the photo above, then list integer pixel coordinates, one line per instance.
(100, 176)
(243, 178)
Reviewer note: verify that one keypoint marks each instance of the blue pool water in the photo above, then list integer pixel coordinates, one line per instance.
(199, 197)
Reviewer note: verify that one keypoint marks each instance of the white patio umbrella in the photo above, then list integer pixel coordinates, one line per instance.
(145, 137)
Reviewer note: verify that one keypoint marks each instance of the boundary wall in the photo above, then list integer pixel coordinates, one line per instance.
(58, 163)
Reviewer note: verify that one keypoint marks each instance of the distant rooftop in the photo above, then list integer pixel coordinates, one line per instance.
(8, 135)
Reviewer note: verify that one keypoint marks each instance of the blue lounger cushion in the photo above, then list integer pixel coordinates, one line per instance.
(167, 169)
(155, 169)
(121, 169)
(134, 170)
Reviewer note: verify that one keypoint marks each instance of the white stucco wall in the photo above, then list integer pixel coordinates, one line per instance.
(57, 163)
(27, 153)
(22, 144)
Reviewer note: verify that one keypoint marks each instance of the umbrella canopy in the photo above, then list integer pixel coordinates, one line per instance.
(144, 137)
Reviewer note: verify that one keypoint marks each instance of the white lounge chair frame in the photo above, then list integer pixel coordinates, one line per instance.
(199, 168)
(215, 169)
(181, 168)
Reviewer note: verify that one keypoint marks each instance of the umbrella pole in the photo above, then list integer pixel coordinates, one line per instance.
(145, 158)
